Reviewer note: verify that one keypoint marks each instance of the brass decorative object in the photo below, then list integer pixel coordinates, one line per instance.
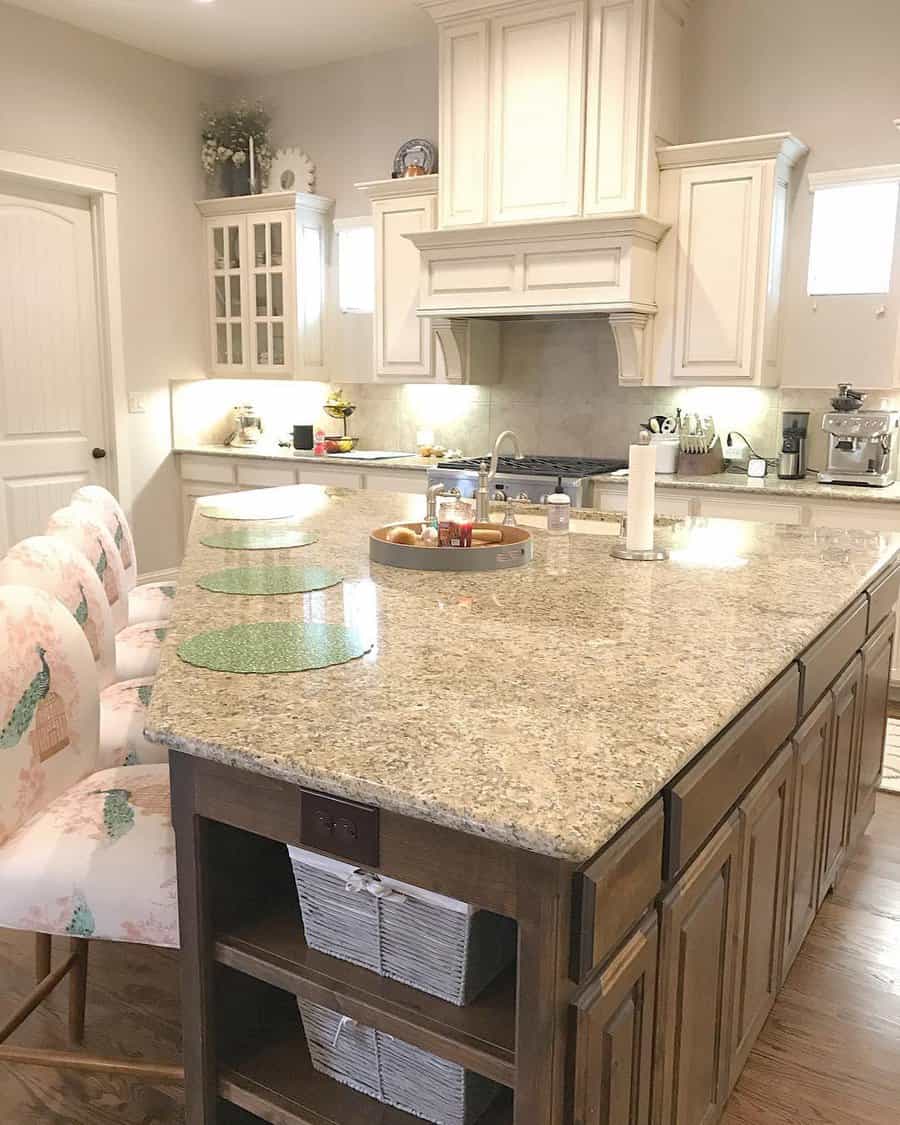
(337, 406)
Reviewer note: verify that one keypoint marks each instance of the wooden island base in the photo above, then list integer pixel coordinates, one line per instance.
(642, 978)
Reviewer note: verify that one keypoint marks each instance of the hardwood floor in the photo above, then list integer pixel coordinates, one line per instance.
(828, 1055)
(132, 1010)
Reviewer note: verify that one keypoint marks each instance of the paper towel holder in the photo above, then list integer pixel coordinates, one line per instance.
(655, 554)
(621, 550)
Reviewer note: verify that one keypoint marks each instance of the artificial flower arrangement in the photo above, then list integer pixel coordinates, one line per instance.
(227, 135)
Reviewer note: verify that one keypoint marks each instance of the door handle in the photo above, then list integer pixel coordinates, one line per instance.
(97, 453)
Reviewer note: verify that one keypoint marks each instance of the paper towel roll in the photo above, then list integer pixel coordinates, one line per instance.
(641, 497)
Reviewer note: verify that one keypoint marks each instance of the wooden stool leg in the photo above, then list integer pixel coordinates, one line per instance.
(77, 991)
(43, 948)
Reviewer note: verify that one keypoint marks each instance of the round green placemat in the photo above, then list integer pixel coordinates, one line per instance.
(269, 579)
(258, 539)
(217, 512)
(273, 646)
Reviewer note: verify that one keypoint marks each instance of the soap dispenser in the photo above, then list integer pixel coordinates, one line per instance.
(559, 507)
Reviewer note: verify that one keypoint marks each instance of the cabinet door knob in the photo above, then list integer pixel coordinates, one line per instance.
(97, 453)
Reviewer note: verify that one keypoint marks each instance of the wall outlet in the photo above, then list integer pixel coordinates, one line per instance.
(136, 403)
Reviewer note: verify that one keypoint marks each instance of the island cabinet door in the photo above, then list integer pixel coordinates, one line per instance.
(812, 744)
(698, 933)
(846, 697)
(613, 1035)
(766, 823)
(876, 672)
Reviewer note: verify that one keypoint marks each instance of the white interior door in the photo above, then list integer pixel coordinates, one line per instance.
(51, 390)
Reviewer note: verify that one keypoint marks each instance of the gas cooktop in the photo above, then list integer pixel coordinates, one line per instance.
(541, 466)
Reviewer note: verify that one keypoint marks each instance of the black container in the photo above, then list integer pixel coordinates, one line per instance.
(303, 437)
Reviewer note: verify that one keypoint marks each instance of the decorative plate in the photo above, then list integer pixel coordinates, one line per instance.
(415, 151)
(292, 170)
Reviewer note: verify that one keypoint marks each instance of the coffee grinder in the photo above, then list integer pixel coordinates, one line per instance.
(792, 457)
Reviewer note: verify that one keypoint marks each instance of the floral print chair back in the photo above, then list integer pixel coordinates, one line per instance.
(137, 646)
(151, 601)
(49, 563)
(72, 836)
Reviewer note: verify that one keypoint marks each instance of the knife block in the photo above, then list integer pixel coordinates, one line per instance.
(701, 464)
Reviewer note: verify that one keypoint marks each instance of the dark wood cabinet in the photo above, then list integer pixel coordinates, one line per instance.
(845, 728)
(765, 815)
(613, 1035)
(876, 676)
(698, 929)
(812, 745)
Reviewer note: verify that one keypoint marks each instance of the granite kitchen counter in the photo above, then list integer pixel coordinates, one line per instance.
(277, 453)
(540, 707)
(809, 488)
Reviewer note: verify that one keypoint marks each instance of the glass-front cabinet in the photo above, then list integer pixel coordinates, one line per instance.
(266, 265)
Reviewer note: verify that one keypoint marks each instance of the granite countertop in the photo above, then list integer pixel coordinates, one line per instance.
(810, 488)
(277, 453)
(541, 707)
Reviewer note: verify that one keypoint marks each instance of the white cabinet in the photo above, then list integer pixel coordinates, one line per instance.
(554, 110)
(396, 480)
(265, 265)
(410, 348)
(613, 159)
(536, 107)
(403, 342)
(720, 265)
(730, 506)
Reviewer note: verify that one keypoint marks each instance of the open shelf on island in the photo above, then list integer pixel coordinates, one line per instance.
(269, 946)
(267, 1071)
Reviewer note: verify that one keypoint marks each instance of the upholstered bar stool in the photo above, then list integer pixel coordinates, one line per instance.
(137, 646)
(149, 601)
(73, 837)
(49, 563)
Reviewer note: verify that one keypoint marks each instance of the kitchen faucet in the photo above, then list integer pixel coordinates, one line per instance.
(486, 475)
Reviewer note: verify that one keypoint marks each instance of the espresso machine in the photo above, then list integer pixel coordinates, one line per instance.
(862, 447)
(792, 456)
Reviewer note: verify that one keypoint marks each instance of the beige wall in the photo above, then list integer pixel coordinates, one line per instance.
(827, 71)
(75, 96)
(352, 116)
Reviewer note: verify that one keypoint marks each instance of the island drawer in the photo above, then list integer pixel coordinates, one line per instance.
(708, 790)
(883, 597)
(826, 658)
(615, 888)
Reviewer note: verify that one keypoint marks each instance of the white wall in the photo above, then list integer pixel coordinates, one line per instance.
(826, 70)
(71, 95)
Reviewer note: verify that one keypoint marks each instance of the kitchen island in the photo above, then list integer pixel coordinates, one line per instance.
(655, 769)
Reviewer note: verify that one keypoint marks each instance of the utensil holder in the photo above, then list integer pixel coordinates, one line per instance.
(702, 464)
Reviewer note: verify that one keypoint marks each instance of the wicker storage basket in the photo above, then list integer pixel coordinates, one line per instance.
(437, 944)
(393, 1072)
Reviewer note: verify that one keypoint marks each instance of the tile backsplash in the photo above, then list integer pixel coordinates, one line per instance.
(557, 389)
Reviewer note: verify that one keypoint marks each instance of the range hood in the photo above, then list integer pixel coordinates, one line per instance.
(550, 116)
(575, 266)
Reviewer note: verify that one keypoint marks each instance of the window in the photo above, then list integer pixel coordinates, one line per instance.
(853, 226)
(356, 265)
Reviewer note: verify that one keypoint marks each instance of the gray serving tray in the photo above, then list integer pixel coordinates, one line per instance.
(517, 549)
